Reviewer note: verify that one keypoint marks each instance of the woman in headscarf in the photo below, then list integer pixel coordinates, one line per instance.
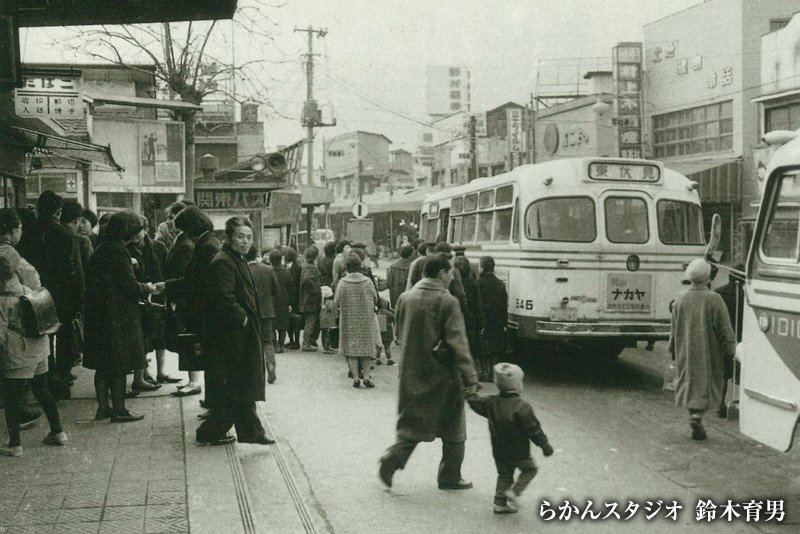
(700, 339)
(114, 345)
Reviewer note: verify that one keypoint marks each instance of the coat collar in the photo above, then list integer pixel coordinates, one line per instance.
(354, 277)
(430, 284)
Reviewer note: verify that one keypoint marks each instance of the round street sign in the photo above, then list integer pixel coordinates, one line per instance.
(360, 210)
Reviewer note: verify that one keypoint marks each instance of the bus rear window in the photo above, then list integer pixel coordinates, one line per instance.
(626, 220)
(679, 223)
(561, 219)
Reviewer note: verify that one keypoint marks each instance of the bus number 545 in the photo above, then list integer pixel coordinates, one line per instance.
(522, 304)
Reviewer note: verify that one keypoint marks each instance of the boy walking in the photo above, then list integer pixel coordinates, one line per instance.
(513, 426)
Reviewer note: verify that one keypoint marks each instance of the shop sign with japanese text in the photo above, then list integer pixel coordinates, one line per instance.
(232, 199)
(49, 96)
(514, 135)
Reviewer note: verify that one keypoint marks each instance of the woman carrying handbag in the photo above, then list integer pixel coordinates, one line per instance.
(23, 359)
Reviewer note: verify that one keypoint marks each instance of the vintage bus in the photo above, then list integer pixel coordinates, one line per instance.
(769, 354)
(592, 250)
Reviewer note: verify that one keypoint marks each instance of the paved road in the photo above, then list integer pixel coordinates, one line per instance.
(617, 436)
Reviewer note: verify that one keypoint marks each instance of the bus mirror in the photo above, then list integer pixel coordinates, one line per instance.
(714, 236)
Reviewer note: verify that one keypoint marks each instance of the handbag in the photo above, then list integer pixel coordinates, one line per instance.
(153, 318)
(382, 322)
(77, 332)
(190, 344)
(39, 315)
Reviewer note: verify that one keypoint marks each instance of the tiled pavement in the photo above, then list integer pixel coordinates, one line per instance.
(111, 477)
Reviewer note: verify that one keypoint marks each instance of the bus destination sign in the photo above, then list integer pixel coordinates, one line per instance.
(624, 172)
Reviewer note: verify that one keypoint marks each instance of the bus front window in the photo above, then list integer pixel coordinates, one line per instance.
(782, 232)
(561, 219)
(679, 223)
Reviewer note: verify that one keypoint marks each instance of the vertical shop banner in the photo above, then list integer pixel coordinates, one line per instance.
(514, 136)
(627, 68)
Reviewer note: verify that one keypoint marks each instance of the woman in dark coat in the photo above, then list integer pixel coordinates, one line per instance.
(113, 332)
(295, 319)
(188, 290)
(281, 301)
(473, 312)
(232, 343)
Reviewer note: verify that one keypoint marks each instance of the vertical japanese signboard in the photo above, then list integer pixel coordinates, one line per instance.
(627, 67)
(514, 136)
(448, 90)
(49, 96)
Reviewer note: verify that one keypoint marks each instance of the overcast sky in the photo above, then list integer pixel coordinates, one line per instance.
(371, 67)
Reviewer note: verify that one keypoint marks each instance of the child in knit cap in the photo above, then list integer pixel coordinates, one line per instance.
(513, 426)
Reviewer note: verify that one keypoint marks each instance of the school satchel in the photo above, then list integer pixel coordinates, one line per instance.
(39, 316)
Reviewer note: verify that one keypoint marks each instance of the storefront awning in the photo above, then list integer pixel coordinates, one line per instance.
(383, 201)
(141, 102)
(40, 143)
(718, 179)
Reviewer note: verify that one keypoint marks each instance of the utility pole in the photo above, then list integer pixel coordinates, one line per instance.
(312, 115)
(472, 173)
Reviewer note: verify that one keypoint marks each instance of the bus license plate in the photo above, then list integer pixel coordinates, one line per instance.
(567, 313)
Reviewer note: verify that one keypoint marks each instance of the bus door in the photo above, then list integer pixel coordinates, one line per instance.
(626, 283)
(770, 348)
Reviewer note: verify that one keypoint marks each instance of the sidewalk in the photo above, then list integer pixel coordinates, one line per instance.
(142, 477)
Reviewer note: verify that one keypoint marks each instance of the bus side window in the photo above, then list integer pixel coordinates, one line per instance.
(515, 223)
(457, 222)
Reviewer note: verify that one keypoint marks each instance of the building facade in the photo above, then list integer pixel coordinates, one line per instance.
(702, 70)
(355, 163)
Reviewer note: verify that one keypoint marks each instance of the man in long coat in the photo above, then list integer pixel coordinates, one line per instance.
(267, 289)
(310, 302)
(700, 339)
(494, 298)
(397, 274)
(232, 340)
(431, 396)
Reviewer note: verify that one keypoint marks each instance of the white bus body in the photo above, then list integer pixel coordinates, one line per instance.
(591, 249)
(770, 349)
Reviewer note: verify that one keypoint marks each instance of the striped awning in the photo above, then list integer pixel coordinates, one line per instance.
(719, 180)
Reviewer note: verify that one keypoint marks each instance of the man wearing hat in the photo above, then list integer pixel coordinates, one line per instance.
(701, 338)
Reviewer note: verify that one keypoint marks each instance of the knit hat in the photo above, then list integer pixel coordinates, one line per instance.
(327, 292)
(508, 377)
(698, 271)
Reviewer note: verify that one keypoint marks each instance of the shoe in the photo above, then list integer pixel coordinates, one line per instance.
(368, 384)
(327, 351)
(260, 440)
(378, 362)
(14, 452)
(29, 419)
(166, 379)
(512, 498)
(309, 348)
(279, 350)
(349, 374)
(127, 417)
(698, 432)
(220, 441)
(271, 377)
(386, 471)
(59, 439)
(103, 413)
(722, 412)
(356, 383)
(460, 485)
(147, 386)
(150, 380)
(202, 416)
(505, 509)
(314, 344)
(185, 392)
(390, 362)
